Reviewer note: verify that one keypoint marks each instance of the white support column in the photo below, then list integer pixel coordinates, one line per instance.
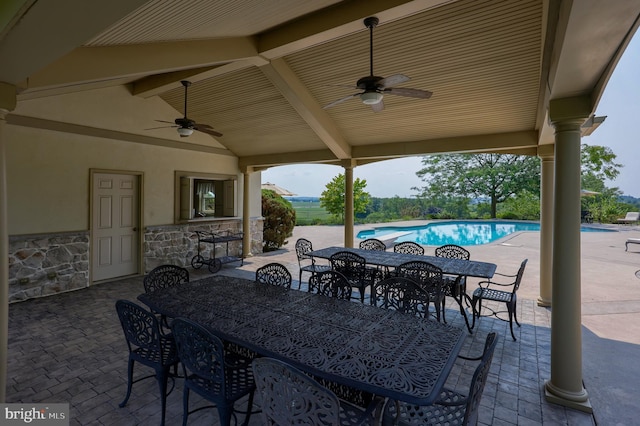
(565, 386)
(348, 205)
(246, 214)
(545, 153)
(7, 103)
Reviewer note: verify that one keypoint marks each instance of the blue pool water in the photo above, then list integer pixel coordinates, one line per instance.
(462, 233)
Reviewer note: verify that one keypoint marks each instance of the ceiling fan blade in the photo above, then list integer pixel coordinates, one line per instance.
(377, 107)
(161, 127)
(410, 93)
(339, 101)
(205, 128)
(163, 121)
(393, 80)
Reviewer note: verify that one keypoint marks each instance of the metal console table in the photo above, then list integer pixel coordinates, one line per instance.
(217, 238)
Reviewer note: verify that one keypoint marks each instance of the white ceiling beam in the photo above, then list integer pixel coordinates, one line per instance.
(334, 22)
(319, 156)
(465, 144)
(288, 83)
(160, 83)
(90, 64)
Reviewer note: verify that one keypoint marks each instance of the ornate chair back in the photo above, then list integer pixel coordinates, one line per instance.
(165, 276)
(290, 397)
(354, 268)
(331, 284)
(274, 274)
(307, 263)
(427, 276)
(455, 286)
(457, 408)
(479, 380)
(403, 295)
(452, 251)
(210, 372)
(489, 290)
(409, 247)
(372, 244)
(147, 345)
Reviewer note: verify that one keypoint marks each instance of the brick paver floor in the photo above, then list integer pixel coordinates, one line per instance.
(70, 348)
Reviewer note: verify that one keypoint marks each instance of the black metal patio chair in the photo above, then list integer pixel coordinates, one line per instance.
(164, 276)
(216, 375)
(451, 407)
(331, 284)
(408, 247)
(487, 291)
(375, 244)
(354, 268)
(274, 274)
(429, 277)
(372, 244)
(148, 346)
(290, 397)
(307, 263)
(403, 295)
(454, 285)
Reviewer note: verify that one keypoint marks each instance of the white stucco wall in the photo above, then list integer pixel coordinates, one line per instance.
(48, 176)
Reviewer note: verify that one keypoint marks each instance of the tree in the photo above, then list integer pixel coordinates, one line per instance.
(279, 220)
(332, 198)
(598, 165)
(494, 176)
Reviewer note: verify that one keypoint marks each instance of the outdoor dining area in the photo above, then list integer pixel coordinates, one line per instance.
(374, 358)
(375, 348)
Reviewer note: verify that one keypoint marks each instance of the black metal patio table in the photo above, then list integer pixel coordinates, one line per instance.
(380, 351)
(390, 259)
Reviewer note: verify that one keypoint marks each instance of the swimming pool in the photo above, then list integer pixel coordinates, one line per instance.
(462, 233)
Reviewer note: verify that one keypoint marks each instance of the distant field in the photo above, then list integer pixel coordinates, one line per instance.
(308, 211)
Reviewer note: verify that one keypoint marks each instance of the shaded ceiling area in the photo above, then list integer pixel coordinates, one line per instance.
(262, 71)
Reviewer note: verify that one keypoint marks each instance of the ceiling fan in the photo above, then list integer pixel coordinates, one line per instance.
(185, 125)
(374, 88)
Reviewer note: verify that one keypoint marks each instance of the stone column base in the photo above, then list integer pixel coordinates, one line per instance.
(577, 401)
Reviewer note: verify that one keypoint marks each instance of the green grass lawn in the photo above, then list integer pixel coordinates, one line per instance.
(309, 212)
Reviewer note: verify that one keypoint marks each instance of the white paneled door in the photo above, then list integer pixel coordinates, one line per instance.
(115, 225)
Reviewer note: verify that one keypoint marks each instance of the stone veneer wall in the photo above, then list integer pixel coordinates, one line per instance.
(178, 244)
(45, 264)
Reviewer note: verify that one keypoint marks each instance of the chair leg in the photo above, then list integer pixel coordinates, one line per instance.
(475, 313)
(129, 383)
(300, 279)
(249, 408)
(225, 411)
(511, 307)
(162, 376)
(185, 405)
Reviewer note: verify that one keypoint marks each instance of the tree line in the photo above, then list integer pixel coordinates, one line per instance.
(462, 186)
(483, 186)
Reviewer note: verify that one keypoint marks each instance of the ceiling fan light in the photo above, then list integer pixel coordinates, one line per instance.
(184, 131)
(371, 98)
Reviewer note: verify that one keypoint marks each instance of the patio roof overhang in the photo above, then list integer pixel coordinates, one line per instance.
(261, 73)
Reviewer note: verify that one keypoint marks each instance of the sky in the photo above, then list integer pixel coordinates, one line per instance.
(620, 103)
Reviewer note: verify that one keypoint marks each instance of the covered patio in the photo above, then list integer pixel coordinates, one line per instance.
(70, 347)
(83, 86)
